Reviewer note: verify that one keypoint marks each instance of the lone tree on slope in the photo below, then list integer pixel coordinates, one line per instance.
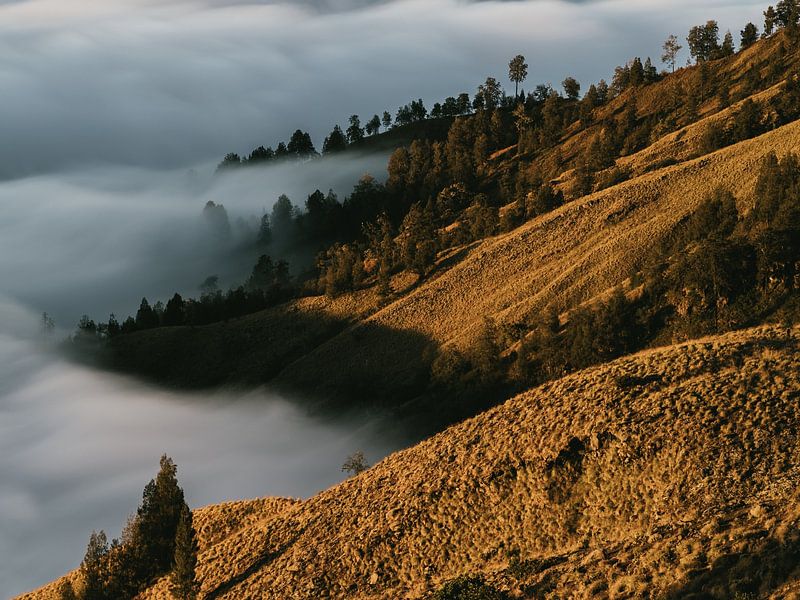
(355, 464)
(517, 72)
(671, 48)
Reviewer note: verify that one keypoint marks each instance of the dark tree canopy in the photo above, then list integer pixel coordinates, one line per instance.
(183, 582)
(93, 569)
(517, 72)
(572, 88)
(770, 21)
(231, 160)
(727, 48)
(300, 145)
(158, 516)
(489, 94)
(373, 126)
(282, 218)
(355, 133)
(671, 48)
(704, 41)
(335, 142)
(749, 35)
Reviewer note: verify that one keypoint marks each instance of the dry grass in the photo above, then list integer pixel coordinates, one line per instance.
(641, 478)
(563, 258)
(630, 478)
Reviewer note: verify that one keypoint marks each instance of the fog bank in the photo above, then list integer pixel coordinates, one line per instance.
(96, 240)
(77, 447)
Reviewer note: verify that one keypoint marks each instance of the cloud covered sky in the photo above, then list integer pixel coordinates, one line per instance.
(169, 83)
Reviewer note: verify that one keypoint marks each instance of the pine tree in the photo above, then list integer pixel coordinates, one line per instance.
(770, 20)
(671, 48)
(92, 567)
(335, 142)
(517, 72)
(727, 48)
(355, 133)
(157, 518)
(749, 35)
(183, 582)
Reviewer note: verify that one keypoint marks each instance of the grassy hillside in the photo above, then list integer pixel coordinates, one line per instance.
(366, 349)
(353, 347)
(672, 473)
(564, 258)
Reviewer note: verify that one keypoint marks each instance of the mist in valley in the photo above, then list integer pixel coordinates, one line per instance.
(96, 241)
(77, 447)
(114, 118)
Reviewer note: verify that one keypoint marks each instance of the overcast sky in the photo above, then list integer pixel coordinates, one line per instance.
(169, 83)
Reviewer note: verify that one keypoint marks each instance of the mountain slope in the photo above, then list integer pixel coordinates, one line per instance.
(356, 349)
(665, 474)
(563, 258)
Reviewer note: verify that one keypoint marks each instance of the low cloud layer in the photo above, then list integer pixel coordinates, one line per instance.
(77, 447)
(166, 84)
(95, 241)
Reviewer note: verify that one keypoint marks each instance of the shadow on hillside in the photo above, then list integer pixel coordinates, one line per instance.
(325, 364)
(755, 572)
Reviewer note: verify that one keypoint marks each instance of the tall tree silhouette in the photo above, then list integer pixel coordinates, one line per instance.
(671, 48)
(517, 72)
(158, 516)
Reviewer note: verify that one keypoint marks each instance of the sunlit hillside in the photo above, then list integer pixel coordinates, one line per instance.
(588, 326)
(360, 345)
(669, 473)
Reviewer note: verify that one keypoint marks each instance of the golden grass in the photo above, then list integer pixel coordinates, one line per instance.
(563, 258)
(621, 489)
(636, 487)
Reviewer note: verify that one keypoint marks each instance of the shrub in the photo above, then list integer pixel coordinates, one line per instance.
(469, 588)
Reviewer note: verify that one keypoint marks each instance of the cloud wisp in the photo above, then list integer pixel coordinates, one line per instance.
(164, 84)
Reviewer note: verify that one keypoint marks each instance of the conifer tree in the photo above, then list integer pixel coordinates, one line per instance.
(355, 133)
(335, 142)
(92, 567)
(572, 88)
(158, 516)
(770, 19)
(517, 72)
(728, 48)
(183, 581)
(671, 48)
(749, 35)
